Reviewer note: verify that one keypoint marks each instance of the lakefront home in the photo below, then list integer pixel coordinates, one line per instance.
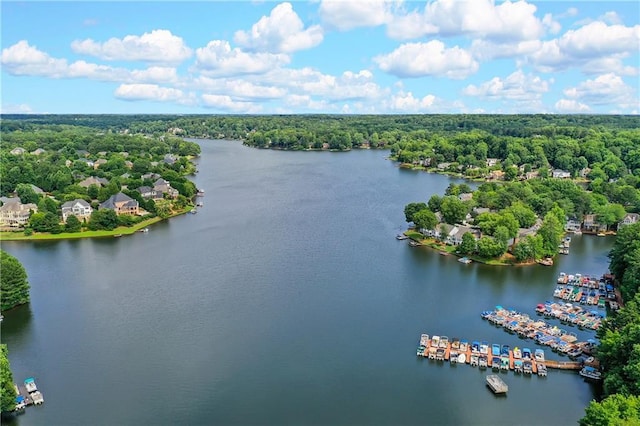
(164, 187)
(78, 208)
(15, 214)
(629, 219)
(560, 174)
(121, 204)
(92, 180)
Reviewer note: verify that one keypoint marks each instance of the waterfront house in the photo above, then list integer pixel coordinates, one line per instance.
(169, 159)
(584, 172)
(572, 225)
(78, 208)
(121, 204)
(443, 166)
(149, 193)
(455, 235)
(590, 224)
(629, 219)
(164, 187)
(560, 174)
(492, 162)
(15, 214)
(92, 180)
(496, 175)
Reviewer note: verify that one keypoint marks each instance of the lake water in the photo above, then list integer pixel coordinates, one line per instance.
(285, 300)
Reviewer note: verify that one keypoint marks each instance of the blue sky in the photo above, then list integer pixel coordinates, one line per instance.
(348, 56)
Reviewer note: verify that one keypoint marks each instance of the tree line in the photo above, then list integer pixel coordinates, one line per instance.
(619, 348)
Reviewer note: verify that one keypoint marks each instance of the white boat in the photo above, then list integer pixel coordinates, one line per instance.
(30, 385)
(465, 260)
(462, 358)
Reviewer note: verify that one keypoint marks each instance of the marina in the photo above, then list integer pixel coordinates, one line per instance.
(482, 355)
(543, 333)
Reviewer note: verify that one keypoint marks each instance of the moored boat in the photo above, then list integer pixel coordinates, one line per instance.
(462, 358)
(30, 385)
(590, 373)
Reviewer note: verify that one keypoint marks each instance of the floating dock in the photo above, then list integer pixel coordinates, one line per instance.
(496, 384)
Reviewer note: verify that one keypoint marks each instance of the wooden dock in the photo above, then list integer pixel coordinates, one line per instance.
(563, 365)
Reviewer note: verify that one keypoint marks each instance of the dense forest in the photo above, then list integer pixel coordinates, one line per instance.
(619, 349)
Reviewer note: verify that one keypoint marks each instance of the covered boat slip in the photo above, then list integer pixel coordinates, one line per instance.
(496, 384)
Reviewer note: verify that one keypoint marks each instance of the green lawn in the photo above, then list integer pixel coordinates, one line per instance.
(121, 230)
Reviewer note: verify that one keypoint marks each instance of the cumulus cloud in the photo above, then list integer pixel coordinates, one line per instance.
(148, 92)
(481, 18)
(346, 15)
(517, 86)
(485, 50)
(24, 59)
(431, 58)
(571, 106)
(606, 89)
(406, 102)
(593, 41)
(157, 46)
(218, 58)
(237, 88)
(280, 32)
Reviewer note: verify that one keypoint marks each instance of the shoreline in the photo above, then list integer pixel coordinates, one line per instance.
(119, 231)
(451, 250)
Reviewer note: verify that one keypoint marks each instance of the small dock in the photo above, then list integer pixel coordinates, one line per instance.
(563, 365)
(496, 384)
(28, 394)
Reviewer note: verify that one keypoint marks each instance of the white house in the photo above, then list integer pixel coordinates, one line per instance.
(15, 214)
(629, 219)
(78, 208)
(560, 174)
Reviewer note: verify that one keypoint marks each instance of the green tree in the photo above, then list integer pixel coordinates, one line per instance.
(425, 219)
(551, 232)
(26, 193)
(490, 248)
(615, 410)
(468, 245)
(13, 282)
(93, 191)
(73, 224)
(103, 219)
(8, 392)
(411, 209)
(45, 222)
(525, 216)
(434, 203)
(453, 210)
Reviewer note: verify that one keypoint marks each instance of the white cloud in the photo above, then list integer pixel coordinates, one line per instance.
(406, 102)
(348, 14)
(157, 46)
(148, 92)
(606, 89)
(571, 106)
(517, 87)
(218, 58)
(226, 103)
(306, 102)
(23, 59)
(280, 32)
(550, 24)
(155, 74)
(593, 41)
(431, 58)
(481, 18)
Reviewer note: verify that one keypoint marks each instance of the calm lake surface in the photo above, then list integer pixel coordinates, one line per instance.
(285, 300)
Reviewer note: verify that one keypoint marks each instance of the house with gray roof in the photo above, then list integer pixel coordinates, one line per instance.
(149, 193)
(78, 208)
(18, 151)
(121, 204)
(629, 219)
(164, 187)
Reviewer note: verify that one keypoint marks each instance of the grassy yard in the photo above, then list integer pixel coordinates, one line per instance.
(121, 230)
